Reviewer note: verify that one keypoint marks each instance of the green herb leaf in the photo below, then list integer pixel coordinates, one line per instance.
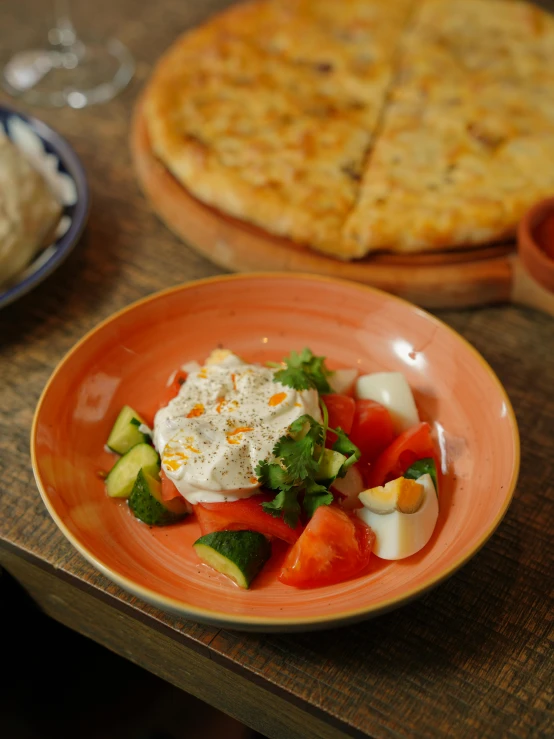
(314, 496)
(425, 466)
(304, 371)
(346, 447)
(297, 452)
(285, 504)
(294, 377)
(298, 455)
(305, 424)
(273, 476)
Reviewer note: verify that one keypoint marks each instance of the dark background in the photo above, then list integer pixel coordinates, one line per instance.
(59, 685)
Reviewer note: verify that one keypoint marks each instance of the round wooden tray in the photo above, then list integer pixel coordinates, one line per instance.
(454, 279)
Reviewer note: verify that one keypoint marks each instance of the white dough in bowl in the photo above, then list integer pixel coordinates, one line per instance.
(29, 211)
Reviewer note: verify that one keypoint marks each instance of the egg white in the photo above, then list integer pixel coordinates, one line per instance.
(392, 390)
(399, 535)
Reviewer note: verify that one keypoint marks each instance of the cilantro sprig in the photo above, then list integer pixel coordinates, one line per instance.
(346, 447)
(292, 474)
(304, 371)
(299, 453)
(299, 448)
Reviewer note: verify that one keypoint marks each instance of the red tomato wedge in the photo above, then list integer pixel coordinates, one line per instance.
(172, 390)
(413, 444)
(244, 514)
(333, 547)
(172, 498)
(372, 429)
(341, 411)
(169, 491)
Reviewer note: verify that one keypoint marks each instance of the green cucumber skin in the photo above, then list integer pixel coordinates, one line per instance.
(125, 434)
(246, 551)
(147, 508)
(122, 476)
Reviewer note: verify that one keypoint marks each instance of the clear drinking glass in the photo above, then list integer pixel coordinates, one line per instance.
(68, 69)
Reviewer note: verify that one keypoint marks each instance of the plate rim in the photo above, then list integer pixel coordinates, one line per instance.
(71, 161)
(277, 624)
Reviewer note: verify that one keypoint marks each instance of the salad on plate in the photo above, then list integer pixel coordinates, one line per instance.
(335, 466)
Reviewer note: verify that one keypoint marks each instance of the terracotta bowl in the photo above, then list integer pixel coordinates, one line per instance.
(536, 242)
(128, 359)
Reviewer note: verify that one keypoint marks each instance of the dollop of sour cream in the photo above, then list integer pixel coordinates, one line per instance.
(227, 417)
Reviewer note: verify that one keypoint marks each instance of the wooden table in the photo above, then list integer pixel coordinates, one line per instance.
(471, 659)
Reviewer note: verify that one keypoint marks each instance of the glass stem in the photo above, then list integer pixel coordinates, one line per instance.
(63, 33)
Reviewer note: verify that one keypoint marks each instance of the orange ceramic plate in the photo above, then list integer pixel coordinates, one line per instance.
(128, 358)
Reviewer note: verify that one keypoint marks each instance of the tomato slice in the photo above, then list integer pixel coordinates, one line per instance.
(413, 444)
(172, 390)
(341, 411)
(333, 547)
(169, 491)
(172, 498)
(372, 429)
(244, 514)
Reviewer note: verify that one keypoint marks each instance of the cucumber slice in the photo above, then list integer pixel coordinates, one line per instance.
(330, 465)
(123, 474)
(125, 432)
(146, 502)
(239, 555)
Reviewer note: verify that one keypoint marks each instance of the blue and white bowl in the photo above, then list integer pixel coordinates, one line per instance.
(49, 153)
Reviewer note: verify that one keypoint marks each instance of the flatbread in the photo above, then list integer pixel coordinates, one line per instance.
(363, 125)
(267, 111)
(467, 141)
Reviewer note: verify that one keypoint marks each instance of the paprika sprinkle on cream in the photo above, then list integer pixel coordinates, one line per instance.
(227, 416)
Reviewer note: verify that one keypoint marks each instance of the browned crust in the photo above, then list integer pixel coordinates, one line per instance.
(461, 278)
(344, 217)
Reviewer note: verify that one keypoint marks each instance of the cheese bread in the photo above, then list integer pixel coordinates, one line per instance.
(367, 125)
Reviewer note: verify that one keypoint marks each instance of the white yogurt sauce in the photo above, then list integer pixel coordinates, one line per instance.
(226, 418)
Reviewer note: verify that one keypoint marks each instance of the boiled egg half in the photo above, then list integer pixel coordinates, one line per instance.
(403, 514)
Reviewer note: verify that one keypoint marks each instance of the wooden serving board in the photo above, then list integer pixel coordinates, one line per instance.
(454, 279)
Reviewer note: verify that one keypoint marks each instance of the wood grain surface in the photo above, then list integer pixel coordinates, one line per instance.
(471, 659)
